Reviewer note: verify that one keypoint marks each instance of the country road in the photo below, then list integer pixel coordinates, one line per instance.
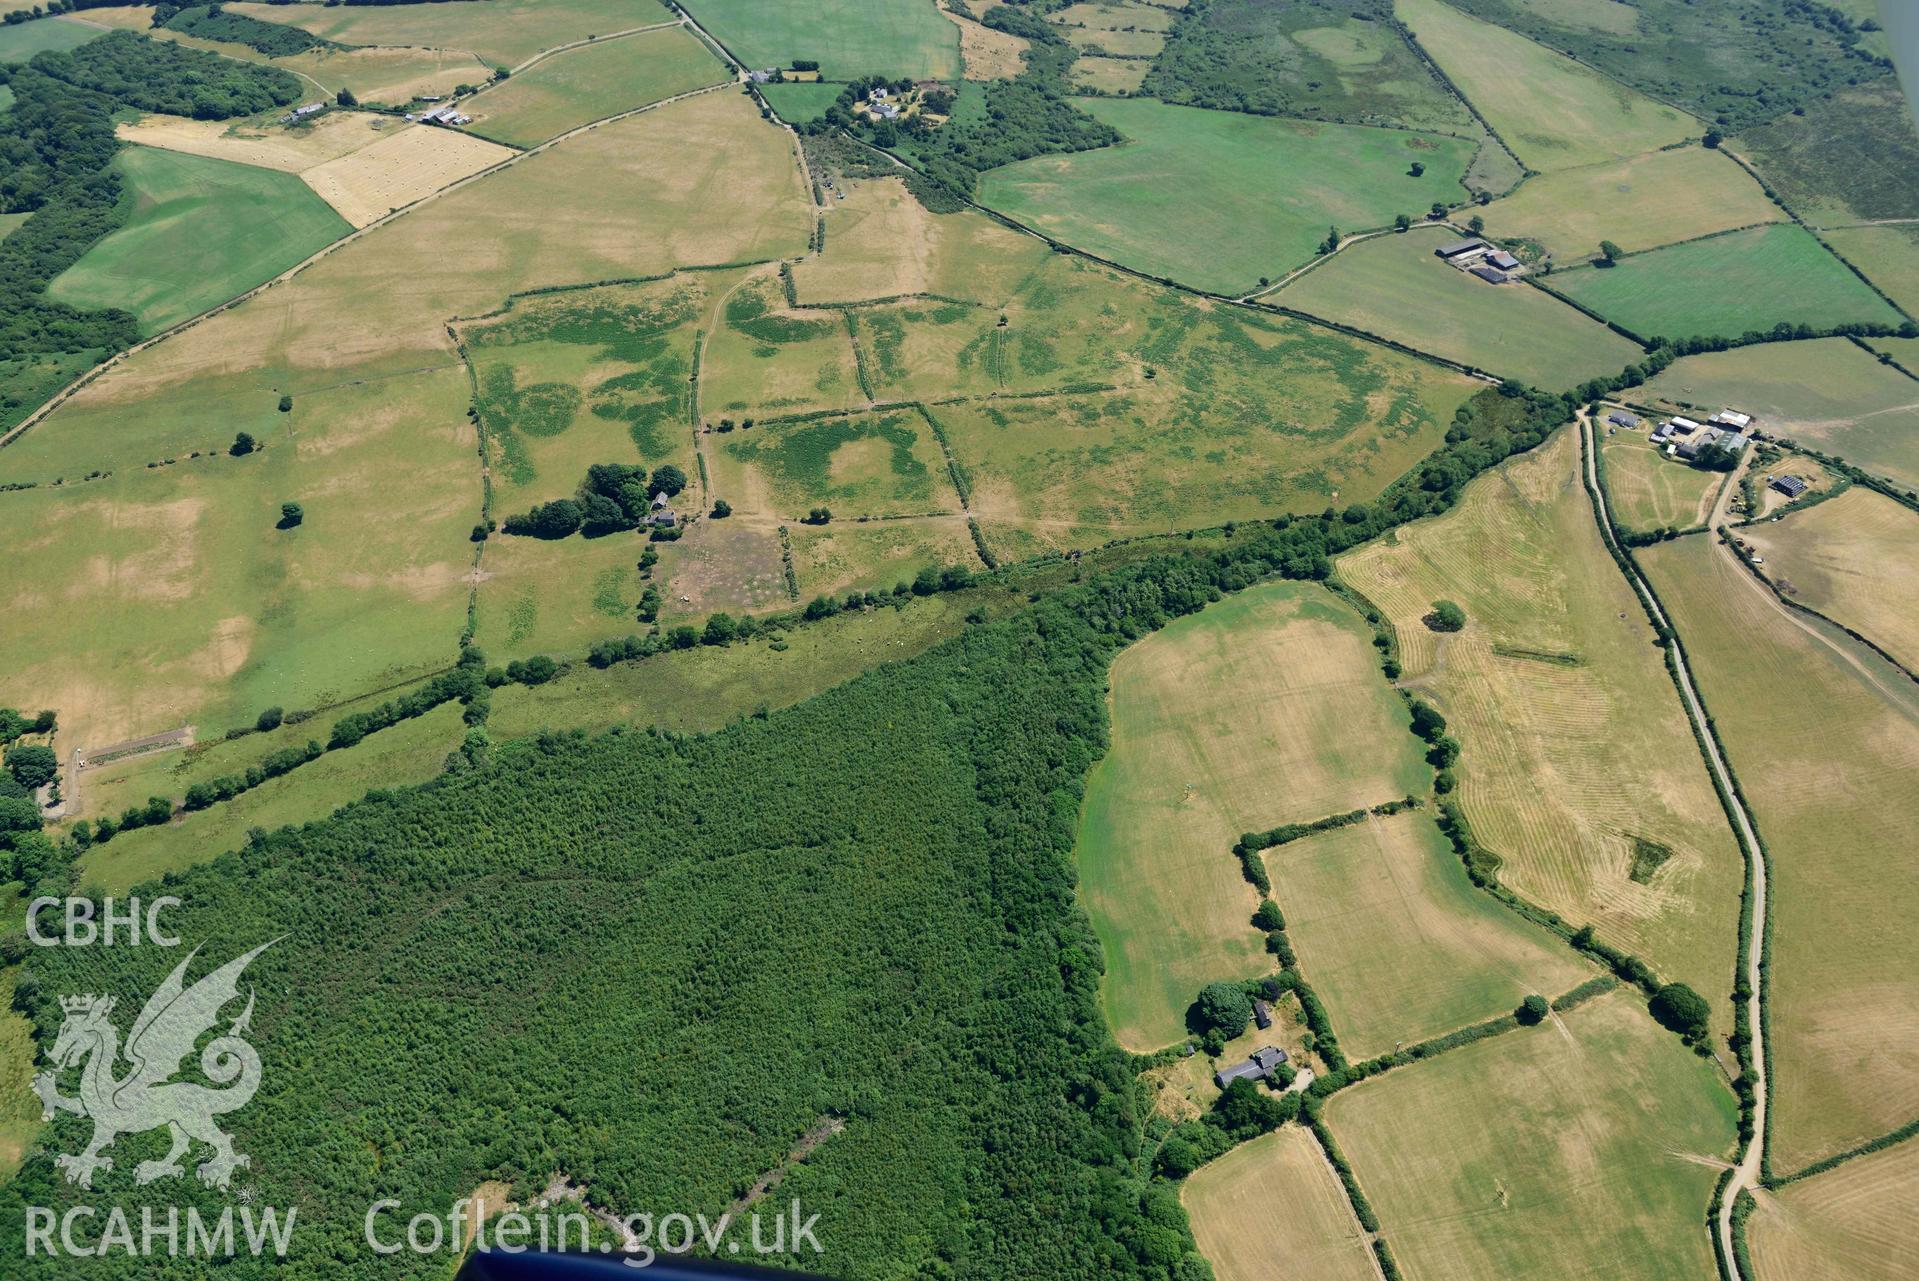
(1745, 1174)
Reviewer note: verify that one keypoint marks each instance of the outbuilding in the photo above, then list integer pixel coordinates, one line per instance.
(1460, 249)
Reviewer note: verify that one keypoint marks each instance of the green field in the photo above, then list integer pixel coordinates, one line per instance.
(1728, 285)
(1218, 199)
(198, 231)
(1640, 203)
(1393, 286)
(569, 89)
(22, 40)
(886, 464)
(1824, 737)
(1648, 490)
(1586, 1147)
(1557, 694)
(1556, 113)
(1399, 943)
(801, 103)
(1888, 255)
(848, 38)
(1828, 395)
(1266, 708)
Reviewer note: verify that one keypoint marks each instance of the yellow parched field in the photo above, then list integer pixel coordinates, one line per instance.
(1825, 739)
(374, 583)
(1855, 559)
(288, 148)
(882, 243)
(399, 169)
(502, 32)
(1575, 747)
(1274, 1208)
(1853, 1223)
(1265, 708)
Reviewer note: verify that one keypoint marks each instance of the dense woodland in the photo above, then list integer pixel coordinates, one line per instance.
(212, 22)
(56, 151)
(656, 962)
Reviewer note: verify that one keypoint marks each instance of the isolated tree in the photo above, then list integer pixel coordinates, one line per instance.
(286, 404)
(818, 516)
(1532, 1010)
(721, 509)
(1476, 224)
(1223, 1007)
(1438, 210)
(345, 98)
(1446, 616)
(1402, 221)
(291, 514)
(1331, 242)
(1609, 253)
(242, 445)
(1418, 170)
(1682, 1010)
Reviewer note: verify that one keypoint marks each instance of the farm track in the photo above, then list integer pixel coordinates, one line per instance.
(1746, 1173)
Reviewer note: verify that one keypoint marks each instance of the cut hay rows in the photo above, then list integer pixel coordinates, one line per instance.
(1274, 1208)
(1825, 740)
(399, 169)
(1564, 764)
(1854, 1223)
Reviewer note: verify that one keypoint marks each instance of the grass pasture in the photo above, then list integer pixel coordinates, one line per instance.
(1559, 698)
(848, 38)
(1728, 285)
(1274, 1207)
(1554, 112)
(937, 350)
(762, 358)
(20, 41)
(1109, 75)
(1826, 394)
(1393, 286)
(1853, 559)
(505, 33)
(581, 85)
(1853, 1223)
(1218, 199)
(1584, 1148)
(567, 380)
(801, 102)
(876, 555)
(199, 231)
(1640, 203)
(1825, 739)
(1247, 417)
(1888, 255)
(1398, 942)
(1647, 490)
(1265, 708)
(859, 465)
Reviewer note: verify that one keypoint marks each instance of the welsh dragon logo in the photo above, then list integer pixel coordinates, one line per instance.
(146, 1097)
